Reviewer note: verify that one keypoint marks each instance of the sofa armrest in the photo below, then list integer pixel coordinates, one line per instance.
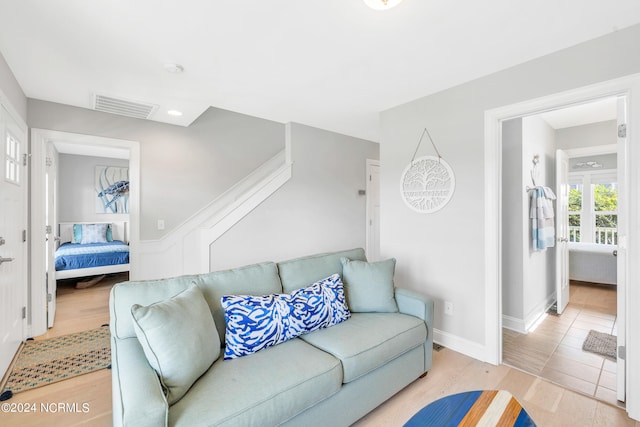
(418, 305)
(138, 399)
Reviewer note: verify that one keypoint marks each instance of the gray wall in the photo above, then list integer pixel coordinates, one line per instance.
(318, 210)
(12, 90)
(513, 212)
(593, 134)
(182, 168)
(442, 254)
(76, 188)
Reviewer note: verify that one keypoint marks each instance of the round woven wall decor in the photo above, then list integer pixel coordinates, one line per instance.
(427, 184)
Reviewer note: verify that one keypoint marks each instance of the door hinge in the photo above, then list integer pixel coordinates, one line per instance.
(48, 229)
(24, 312)
(622, 352)
(48, 161)
(24, 236)
(24, 159)
(49, 297)
(622, 130)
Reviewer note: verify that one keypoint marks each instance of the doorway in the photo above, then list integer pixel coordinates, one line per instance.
(43, 286)
(629, 232)
(540, 336)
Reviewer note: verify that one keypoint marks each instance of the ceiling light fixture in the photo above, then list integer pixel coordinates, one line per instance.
(174, 113)
(174, 68)
(382, 4)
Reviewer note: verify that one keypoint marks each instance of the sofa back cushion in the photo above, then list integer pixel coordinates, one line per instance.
(144, 292)
(256, 279)
(301, 272)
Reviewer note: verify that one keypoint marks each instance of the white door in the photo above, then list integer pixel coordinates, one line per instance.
(373, 210)
(621, 252)
(13, 246)
(51, 230)
(562, 230)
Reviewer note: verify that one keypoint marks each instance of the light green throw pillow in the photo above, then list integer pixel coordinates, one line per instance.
(369, 285)
(179, 339)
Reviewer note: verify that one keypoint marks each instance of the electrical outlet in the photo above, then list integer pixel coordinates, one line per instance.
(448, 308)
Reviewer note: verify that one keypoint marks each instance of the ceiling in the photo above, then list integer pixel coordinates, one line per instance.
(595, 111)
(332, 64)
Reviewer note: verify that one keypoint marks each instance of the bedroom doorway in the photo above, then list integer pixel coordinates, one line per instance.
(47, 149)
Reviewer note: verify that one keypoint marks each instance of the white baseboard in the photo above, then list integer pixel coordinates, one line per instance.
(522, 326)
(461, 345)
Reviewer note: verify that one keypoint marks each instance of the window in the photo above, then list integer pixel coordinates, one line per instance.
(605, 212)
(593, 214)
(12, 159)
(575, 211)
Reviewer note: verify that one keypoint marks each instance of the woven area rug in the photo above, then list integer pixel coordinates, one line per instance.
(601, 343)
(51, 360)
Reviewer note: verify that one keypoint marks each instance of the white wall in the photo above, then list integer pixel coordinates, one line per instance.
(538, 138)
(12, 90)
(76, 190)
(182, 168)
(442, 254)
(317, 210)
(528, 276)
(591, 135)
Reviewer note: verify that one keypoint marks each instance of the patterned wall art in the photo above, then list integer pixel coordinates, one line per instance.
(112, 190)
(427, 184)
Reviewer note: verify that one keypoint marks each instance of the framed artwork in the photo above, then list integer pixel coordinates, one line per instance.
(112, 189)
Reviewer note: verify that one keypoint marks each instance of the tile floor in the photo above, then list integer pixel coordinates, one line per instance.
(554, 352)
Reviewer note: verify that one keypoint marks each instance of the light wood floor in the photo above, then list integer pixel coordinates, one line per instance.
(547, 403)
(554, 349)
(77, 310)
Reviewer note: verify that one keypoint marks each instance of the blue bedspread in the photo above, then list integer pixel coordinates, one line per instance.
(72, 256)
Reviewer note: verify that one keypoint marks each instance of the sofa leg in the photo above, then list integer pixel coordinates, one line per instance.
(423, 375)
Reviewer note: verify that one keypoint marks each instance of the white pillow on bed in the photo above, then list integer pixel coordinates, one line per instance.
(91, 233)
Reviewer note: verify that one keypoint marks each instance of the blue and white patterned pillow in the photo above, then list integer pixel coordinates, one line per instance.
(257, 322)
(94, 233)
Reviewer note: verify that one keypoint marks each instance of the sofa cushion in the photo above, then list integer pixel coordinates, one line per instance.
(257, 322)
(369, 285)
(179, 339)
(298, 273)
(369, 340)
(262, 389)
(143, 292)
(256, 279)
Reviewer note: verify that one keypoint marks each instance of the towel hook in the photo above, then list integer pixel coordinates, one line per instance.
(534, 169)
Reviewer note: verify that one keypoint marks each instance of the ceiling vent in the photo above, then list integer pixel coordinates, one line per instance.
(124, 107)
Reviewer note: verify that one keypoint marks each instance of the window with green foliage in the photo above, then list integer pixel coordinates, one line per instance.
(593, 215)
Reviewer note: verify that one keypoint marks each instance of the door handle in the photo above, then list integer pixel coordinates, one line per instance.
(615, 252)
(5, 260)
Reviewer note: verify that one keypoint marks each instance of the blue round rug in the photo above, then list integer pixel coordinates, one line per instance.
(486, 408)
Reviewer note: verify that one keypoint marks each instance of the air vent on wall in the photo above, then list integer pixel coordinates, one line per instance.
(124, 107)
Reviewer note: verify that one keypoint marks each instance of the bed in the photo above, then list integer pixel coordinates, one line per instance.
(103, 250)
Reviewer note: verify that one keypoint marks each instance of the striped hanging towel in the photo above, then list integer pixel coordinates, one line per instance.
(542, 225)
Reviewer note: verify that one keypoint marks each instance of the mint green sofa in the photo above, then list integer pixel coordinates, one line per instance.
(332, 376)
